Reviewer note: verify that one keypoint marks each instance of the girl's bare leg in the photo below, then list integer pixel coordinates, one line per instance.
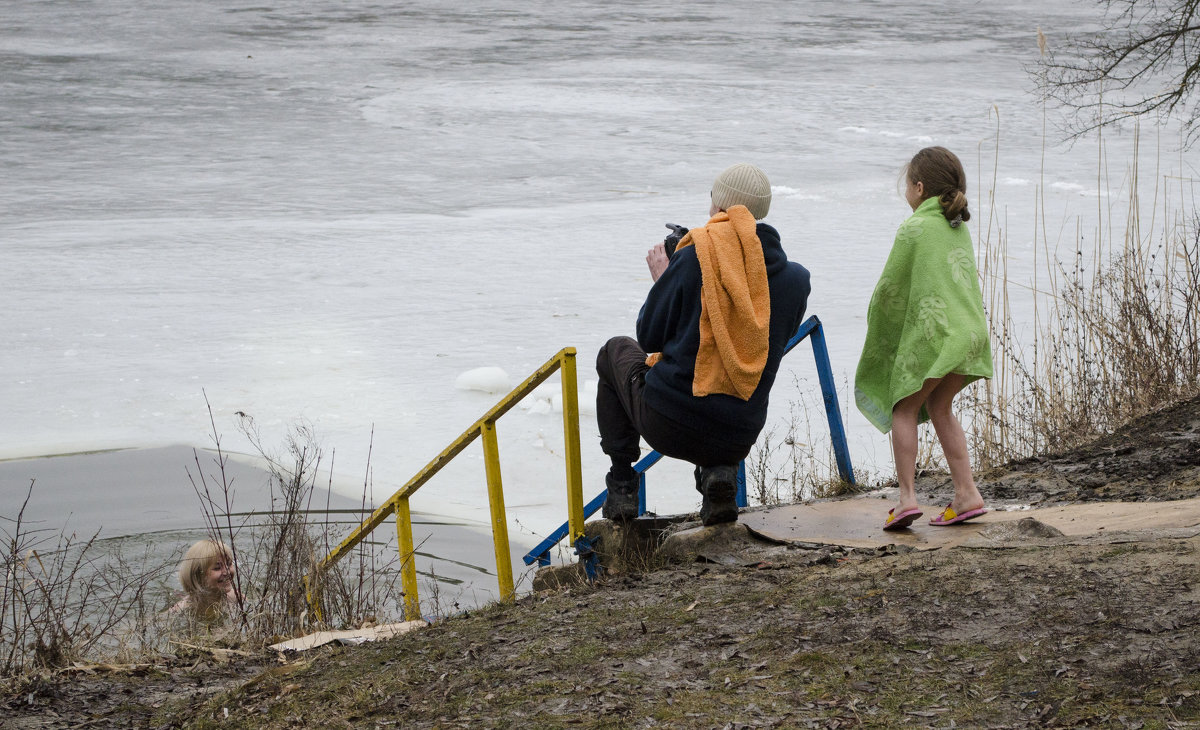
(954, 443)
(904, 443)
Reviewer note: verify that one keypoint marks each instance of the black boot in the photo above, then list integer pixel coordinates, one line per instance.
(718, 484)
(622, 501)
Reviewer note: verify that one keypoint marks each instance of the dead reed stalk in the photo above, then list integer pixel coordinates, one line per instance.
(276, 549)
(64, 599)
(1116, 324)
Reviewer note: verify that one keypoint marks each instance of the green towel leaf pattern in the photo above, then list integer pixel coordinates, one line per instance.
(875, 355)
(931, 313)
(926, 316)
(976, 348)
(960, 264)
(889, 299)
(910, 230)
(909, 366)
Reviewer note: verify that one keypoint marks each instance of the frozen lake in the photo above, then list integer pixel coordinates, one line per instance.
(330, 210)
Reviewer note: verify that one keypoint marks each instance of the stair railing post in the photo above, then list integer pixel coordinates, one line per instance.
(574, 459)
(837, 432)
(313, 597)
(408, 562)
(491, 461)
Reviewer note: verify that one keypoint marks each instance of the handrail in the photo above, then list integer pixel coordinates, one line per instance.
(810, 328)
(398, 505)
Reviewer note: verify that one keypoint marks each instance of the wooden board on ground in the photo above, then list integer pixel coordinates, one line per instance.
(351, 636)
(858, 522)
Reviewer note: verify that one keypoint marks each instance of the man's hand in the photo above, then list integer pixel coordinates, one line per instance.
(656, 259)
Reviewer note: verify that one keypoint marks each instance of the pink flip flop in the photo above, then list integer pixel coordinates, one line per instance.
(902, 520)
(950, 517)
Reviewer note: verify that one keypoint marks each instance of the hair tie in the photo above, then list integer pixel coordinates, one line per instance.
(957, 221)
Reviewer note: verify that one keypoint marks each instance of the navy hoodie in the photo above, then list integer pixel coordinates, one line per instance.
(670, 323)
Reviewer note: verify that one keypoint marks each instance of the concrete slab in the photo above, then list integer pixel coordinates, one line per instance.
(858, 522)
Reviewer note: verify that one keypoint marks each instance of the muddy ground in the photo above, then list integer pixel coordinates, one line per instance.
(1037, 632)
(1153, 458)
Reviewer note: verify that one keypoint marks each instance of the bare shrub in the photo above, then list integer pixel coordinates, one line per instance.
(1141, 64)
(1116, 336)
(64, 599)
(275, 551)
(800, 464)
(762, 476)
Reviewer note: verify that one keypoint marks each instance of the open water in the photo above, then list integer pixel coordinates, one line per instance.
(329, 211)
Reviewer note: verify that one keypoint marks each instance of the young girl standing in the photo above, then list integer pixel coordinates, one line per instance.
(927, 336)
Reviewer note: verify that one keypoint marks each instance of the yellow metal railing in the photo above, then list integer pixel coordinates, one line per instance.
(397, 504)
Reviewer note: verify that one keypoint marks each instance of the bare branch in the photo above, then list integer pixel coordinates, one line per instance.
(1143, 62)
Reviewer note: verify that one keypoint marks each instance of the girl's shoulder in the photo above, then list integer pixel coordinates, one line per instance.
(912, 228)
(928, 223)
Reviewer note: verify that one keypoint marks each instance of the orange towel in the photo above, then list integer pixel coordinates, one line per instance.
(735, 305)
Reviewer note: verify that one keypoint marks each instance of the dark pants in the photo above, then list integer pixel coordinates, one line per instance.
(623, 415)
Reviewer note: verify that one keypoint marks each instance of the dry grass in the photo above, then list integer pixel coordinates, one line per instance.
(64, 599)
(797, 462)
(276, 550)
(1116, 323)
(833, 639)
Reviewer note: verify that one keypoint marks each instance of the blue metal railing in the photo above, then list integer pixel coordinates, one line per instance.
(837, 434)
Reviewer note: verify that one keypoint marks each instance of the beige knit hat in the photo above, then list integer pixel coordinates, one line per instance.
(743, 184)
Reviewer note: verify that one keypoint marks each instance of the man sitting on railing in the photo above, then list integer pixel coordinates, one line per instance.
(723, 305)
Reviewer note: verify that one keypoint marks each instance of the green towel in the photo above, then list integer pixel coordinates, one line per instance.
(926, 316)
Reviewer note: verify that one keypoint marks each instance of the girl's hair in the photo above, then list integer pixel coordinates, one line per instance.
(195, 564)
(942, 173)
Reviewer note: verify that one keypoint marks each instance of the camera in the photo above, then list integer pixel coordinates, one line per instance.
(673, 238)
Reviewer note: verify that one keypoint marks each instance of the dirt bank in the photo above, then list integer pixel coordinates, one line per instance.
(1153, 458)
(1072, 635)
(1031, 631)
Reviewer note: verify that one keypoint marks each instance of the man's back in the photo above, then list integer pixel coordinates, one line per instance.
(701, 394)
(670, 323)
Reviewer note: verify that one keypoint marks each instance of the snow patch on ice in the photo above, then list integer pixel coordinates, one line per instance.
(540, 407)
(485, 379)
(783, 191)
(587, 398)
(547, 398)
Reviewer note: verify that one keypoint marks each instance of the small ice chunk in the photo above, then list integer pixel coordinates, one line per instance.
(546, 391)
(547, 398)
(587, 398)
(486, 379)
